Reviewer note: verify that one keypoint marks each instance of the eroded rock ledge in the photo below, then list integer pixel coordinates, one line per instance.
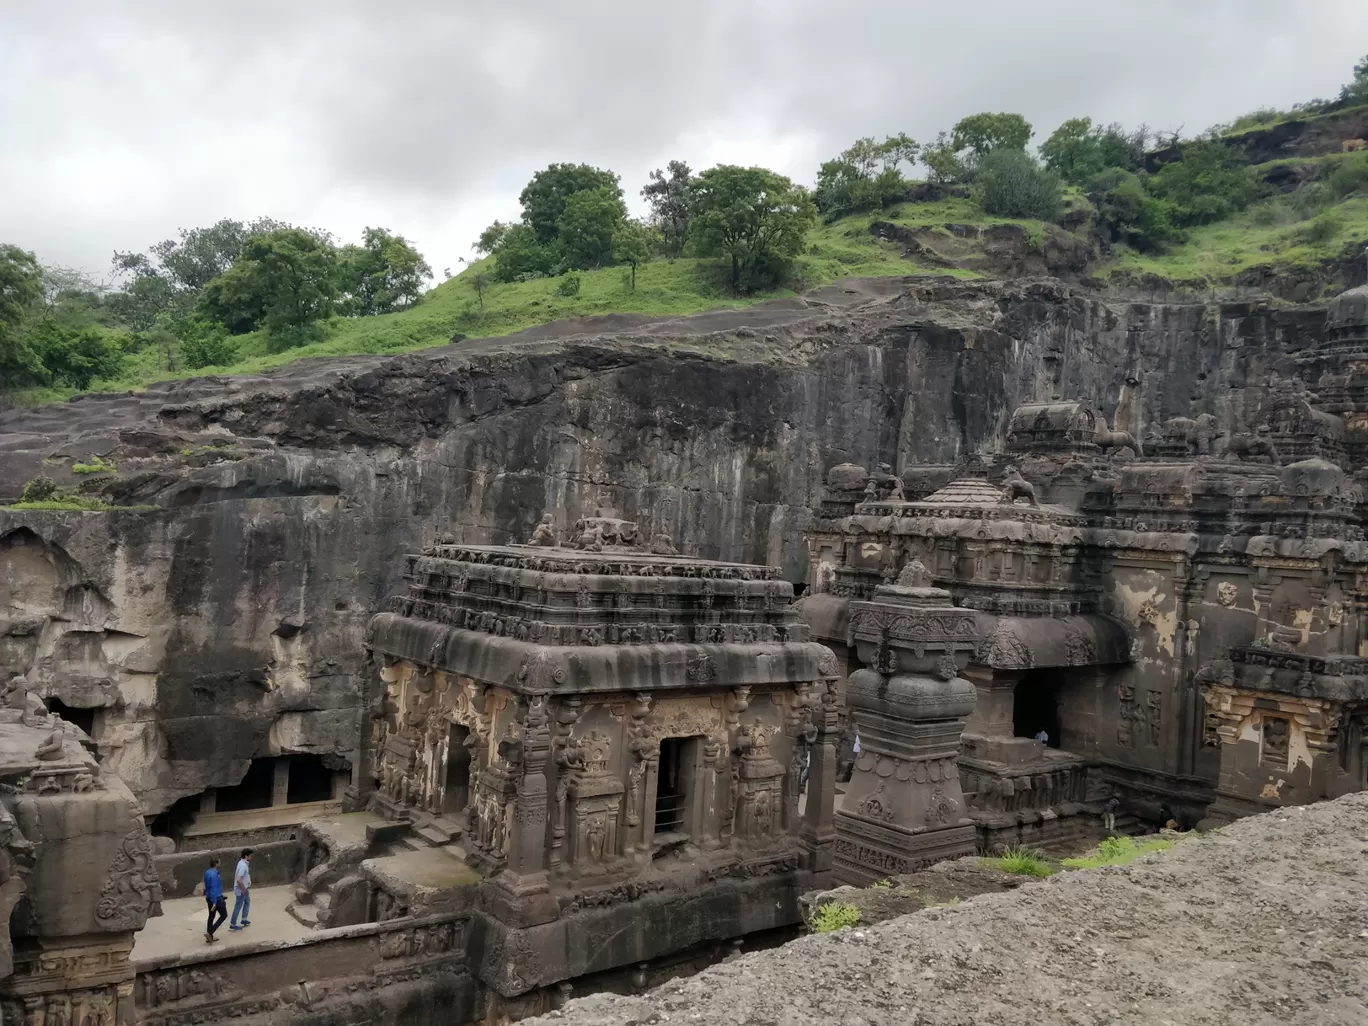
(1261, 922)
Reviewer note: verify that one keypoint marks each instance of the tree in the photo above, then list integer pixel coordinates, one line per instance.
(74, 355)
(200, 255)
(943, 162)
(479, 281)
(1128, 212)
(983, 133)
(587, 225)
(1012, 184)
(669, 199)
(21, 286)
(491, 240)
(383, 274)
(1356, 91)
(632, 246)
(751, 216)
(1209, 183)
(282, 281)
(1078, 152)
(521, 256)
(865, 176)
(544, 199)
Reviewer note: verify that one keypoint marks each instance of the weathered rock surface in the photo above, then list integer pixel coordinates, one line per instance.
(1258, 923)
(226, 623)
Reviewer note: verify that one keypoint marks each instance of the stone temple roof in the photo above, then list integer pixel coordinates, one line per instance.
(600, 619)
(1349, 309)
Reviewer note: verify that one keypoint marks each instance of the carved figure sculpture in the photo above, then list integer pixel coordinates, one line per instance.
(1014, 487)
(1258, 445)
(1198, 432)
(588, 536)
(545, 534)
(661, 545)
(1113, 441)
(889, 485)
(53, 745)
(19, 695)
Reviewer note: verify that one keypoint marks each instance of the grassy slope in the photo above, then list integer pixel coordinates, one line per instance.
(1269, 233)
(843, 249)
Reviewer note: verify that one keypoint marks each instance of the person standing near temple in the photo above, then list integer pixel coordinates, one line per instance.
(242, 890)
(1109, 813)
(213, 897)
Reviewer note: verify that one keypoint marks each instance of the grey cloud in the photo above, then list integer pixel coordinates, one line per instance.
(131, 119)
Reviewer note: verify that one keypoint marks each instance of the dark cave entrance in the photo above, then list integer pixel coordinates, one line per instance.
(83, 718)
(310, 780)
(1035, 705)
(254, 791)
(456, 793)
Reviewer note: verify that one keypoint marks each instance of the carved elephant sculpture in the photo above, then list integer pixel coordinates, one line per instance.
(1198, 432)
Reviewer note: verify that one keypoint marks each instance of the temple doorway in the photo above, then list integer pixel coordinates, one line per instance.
(1035, 705)
(456, 793)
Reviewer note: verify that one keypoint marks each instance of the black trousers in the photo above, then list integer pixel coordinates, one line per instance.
(219, 908)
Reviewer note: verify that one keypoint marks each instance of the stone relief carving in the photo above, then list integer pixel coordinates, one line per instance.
(133, 890)
(1226, 593)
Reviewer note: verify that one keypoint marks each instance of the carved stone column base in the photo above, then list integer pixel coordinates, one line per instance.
(520, 901)
(866, 852)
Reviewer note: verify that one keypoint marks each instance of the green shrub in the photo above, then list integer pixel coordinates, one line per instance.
(1129, 213)
(94, 465)
(40, 489)
(1020, 860)
(568, 286)
(1322, 229)
(1209, 183)
(206, 345)
(1350, 177)
(835, 915)
(1012, 183)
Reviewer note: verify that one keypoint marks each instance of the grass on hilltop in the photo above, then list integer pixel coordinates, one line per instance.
(844, 249)
(1304, 229)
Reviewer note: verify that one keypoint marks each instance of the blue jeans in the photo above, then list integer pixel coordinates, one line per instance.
(241, 903)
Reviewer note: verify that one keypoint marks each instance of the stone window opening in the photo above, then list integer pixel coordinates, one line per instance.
(675, 788)
(1273, 748)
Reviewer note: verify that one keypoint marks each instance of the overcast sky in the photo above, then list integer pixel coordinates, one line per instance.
(123, 121)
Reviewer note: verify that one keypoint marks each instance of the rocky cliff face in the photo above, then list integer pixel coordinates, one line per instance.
(225, 623)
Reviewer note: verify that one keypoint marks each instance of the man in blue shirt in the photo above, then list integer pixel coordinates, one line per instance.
(242, 890)
(213, 897)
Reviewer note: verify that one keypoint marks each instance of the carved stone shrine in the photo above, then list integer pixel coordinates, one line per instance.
(904, 806)
(622, 735)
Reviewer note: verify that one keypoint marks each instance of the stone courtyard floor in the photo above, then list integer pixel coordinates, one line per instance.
(1263, 922)
(180, 927)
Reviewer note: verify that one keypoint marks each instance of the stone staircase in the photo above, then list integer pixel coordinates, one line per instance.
(329, 893)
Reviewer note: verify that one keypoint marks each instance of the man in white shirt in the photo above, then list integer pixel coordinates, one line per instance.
(242, 890)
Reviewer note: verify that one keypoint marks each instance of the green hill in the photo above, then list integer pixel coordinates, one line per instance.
(1300, 241)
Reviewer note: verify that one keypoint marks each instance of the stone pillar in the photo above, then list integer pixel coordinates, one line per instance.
(993, 713)
(280, 781)
(208, 801)
(526, 898)
(904, 806)
(818, 830)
